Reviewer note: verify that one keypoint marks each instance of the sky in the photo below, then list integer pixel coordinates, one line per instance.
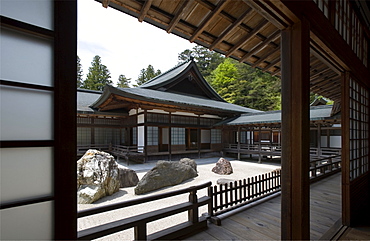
(124, 44)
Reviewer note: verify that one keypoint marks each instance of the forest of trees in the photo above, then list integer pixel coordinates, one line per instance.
(236, 82)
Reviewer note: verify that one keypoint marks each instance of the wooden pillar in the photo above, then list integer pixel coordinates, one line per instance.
(259, 145)
(199, 140)
(145, 135)
(295, 55)
(239, 136)
(319, 139)
(169, 136)
(345, 164)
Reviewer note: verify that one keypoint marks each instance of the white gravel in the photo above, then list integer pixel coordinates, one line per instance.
(242, 169)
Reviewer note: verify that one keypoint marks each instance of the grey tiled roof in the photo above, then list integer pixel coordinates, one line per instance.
(85, 98)
(168, 75)
(316, 113)
(178, 99)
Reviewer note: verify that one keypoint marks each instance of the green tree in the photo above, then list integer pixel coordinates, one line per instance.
(79, 73)
(147, 74)
(98, 75)
(224, 80)
(206, 60)
(243, 85)
(123, 82)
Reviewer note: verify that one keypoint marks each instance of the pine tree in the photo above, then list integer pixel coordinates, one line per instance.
(98, 75)
(147, 74)
(206, 60)
(123, 82)
(79, 73)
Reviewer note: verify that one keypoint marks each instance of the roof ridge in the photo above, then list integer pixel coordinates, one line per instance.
(156, 77)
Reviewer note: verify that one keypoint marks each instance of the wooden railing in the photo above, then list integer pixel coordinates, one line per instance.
(83, 148)
(139, 222)
(322, 167)
(226, 197)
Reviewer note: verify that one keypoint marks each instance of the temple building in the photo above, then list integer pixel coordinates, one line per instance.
(178, 114)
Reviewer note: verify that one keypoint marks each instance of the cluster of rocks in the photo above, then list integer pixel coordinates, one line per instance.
(98, 175)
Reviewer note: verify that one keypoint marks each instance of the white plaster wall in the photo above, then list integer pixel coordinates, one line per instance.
(165, 132)
(140, 119)
(140, 137)
(205, 136)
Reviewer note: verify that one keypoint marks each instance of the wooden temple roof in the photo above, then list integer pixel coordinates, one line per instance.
(249, 31)
(320, 113)
(180, 89)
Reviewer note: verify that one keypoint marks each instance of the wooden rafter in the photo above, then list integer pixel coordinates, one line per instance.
(209, 18)
(272, 63)
(260, 46)
(144, 10)
(266, 55)
(105, 3)
(266, 13)
(247, 37)
(230, 28)
(181, 11)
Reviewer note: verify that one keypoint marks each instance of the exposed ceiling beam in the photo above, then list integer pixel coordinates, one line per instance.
(144, 10)
(272, 63)
(260, 46)
(266, 55)
(266, 13)
(209, 18)
(105, 3)
(247, 37)
(180, 12)
(230, 28)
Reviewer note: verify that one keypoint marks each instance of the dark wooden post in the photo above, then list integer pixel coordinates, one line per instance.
(145, 136)
(169, 136)
(295, 54)
(319, 139)
(193, 213)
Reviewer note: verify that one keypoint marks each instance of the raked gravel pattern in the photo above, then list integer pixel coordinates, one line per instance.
(241, 170)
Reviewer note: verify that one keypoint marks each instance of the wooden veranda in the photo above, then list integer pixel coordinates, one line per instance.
(262, 222)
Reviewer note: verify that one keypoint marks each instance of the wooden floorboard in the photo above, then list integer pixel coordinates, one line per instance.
(262, 222)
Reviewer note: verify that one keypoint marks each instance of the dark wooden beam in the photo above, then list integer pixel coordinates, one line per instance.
(272, 63)
(247, 37)
(265, 56)
(259, 7)
(181, 11)
(208, 19)
(262, 45)
(295, 212)
(144, 10)
(230, 28)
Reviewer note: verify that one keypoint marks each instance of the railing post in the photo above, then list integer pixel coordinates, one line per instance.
(210, 204)
(140, 232)
(193, 213)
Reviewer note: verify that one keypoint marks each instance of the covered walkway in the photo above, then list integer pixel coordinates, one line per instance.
(262, 222)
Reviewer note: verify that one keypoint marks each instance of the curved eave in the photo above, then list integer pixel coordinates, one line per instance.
(112, 92)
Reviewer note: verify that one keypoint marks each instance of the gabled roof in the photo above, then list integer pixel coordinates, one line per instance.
(183, 79)
(182, 88)
(85, 98)
(169, 99)
(322, 112)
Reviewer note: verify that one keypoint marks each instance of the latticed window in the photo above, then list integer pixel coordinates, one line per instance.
(107, 136)
(359, 138)
(216, 136)
(177, 136)
(83, 136)
(134, 136)
(152, 135)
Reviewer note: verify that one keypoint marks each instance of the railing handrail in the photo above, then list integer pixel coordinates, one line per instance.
(110, 207)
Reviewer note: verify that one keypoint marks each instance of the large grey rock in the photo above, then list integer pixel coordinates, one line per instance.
(223, 167)
(165, 173)
(189, 162)
(127, 177)
(97, 176)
